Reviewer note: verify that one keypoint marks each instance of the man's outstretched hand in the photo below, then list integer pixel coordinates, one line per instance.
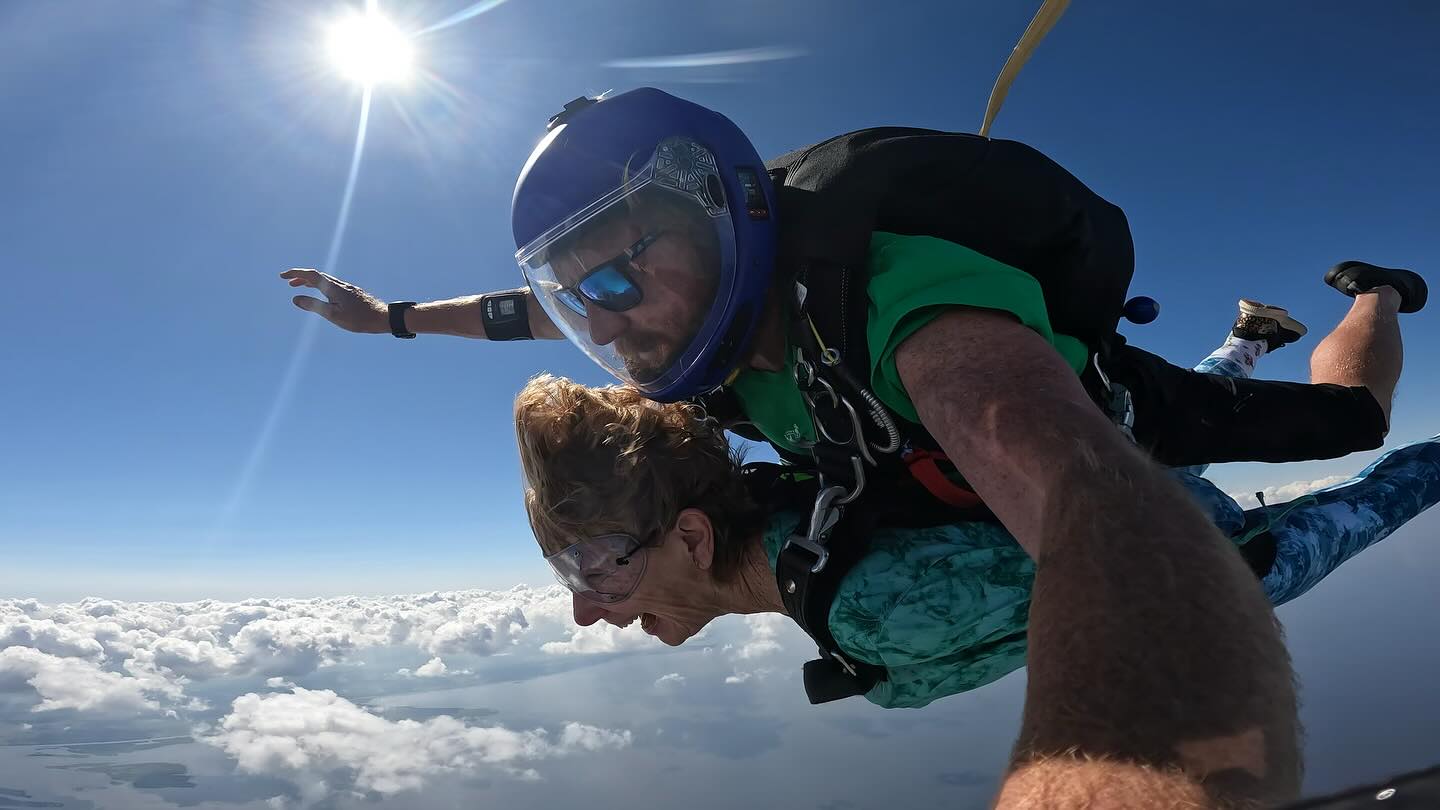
(345, 305)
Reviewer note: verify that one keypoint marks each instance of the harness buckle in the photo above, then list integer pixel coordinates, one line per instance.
(841, 660)
(824, 514)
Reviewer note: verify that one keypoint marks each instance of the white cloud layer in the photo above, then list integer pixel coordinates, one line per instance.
(1287, 492)
(324, 744)
(74, 683)
(129, 658)
(103, 655)
(125, 656)
(601, 638)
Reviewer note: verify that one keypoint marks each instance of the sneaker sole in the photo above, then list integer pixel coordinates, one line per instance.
(1413, 299)
(1280, 314)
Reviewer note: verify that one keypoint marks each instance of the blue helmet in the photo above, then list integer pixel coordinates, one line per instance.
(645, 226)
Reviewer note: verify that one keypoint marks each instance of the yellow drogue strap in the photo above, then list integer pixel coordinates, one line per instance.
(1045, 19)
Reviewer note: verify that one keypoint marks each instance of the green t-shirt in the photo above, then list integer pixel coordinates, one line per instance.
(912, 280)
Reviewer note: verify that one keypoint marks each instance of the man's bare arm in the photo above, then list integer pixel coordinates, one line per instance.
(1156, 666)
(355, 310)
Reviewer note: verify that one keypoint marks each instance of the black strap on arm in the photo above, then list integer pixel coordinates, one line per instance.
(506, 315)
(397, 310)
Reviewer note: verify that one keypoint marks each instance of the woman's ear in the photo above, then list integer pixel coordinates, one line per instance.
(694, 529)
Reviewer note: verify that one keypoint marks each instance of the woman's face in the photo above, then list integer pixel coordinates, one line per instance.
(674, 598)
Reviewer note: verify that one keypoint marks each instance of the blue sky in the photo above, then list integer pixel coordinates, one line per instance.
(163, 161)
(174, 429)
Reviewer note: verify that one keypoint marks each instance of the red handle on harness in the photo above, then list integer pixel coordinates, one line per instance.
(923, 466)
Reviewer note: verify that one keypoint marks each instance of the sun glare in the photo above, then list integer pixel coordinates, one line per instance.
(368, 49)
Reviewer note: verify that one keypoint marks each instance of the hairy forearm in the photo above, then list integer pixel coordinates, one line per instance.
(1151, 642)
(1152, 647)
(462, 317)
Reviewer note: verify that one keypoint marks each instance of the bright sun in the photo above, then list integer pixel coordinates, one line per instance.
(369, 49)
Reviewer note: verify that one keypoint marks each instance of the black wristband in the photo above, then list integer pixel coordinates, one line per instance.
(397, 319)
(506, 315)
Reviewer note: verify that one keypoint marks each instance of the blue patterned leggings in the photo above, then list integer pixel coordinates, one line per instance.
(1315, 533)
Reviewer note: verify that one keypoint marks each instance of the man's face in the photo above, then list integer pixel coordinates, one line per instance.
(677, 290)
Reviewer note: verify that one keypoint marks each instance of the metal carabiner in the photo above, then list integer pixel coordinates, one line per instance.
(860, 443)
(859, 468)
(829, 391)
(830, 357)
(804, 373)
(857, 435)
(1119, 402)
(1095, 360)
(824, 514)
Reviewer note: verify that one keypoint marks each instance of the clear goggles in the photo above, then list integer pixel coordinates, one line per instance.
(604, 569)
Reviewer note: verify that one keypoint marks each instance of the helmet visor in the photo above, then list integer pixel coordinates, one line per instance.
(634, 278)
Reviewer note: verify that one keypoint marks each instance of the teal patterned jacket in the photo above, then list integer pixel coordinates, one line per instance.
(944, 609)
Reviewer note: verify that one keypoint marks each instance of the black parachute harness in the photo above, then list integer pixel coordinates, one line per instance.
(857, 441)
(867, 474)
(823, 548)
(872, 467)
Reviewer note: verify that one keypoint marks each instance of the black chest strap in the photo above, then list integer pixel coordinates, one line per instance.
(809, 571)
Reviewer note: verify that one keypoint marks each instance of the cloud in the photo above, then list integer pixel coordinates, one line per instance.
(48, 636)
(477, 628)
(1287, 492)
(434, 668)
(324, 743)
(75, 683)
(768, 636)
(765, 629)
(742, 56)
(745, 676)
(152, 650)
(602, 638)
(672, 681)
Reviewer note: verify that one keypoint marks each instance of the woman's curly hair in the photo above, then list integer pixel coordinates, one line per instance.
(608, 460)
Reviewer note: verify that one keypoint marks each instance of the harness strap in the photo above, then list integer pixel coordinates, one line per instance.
(808, 583)
(1044, 19)
(813, 562)
(808, 594)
